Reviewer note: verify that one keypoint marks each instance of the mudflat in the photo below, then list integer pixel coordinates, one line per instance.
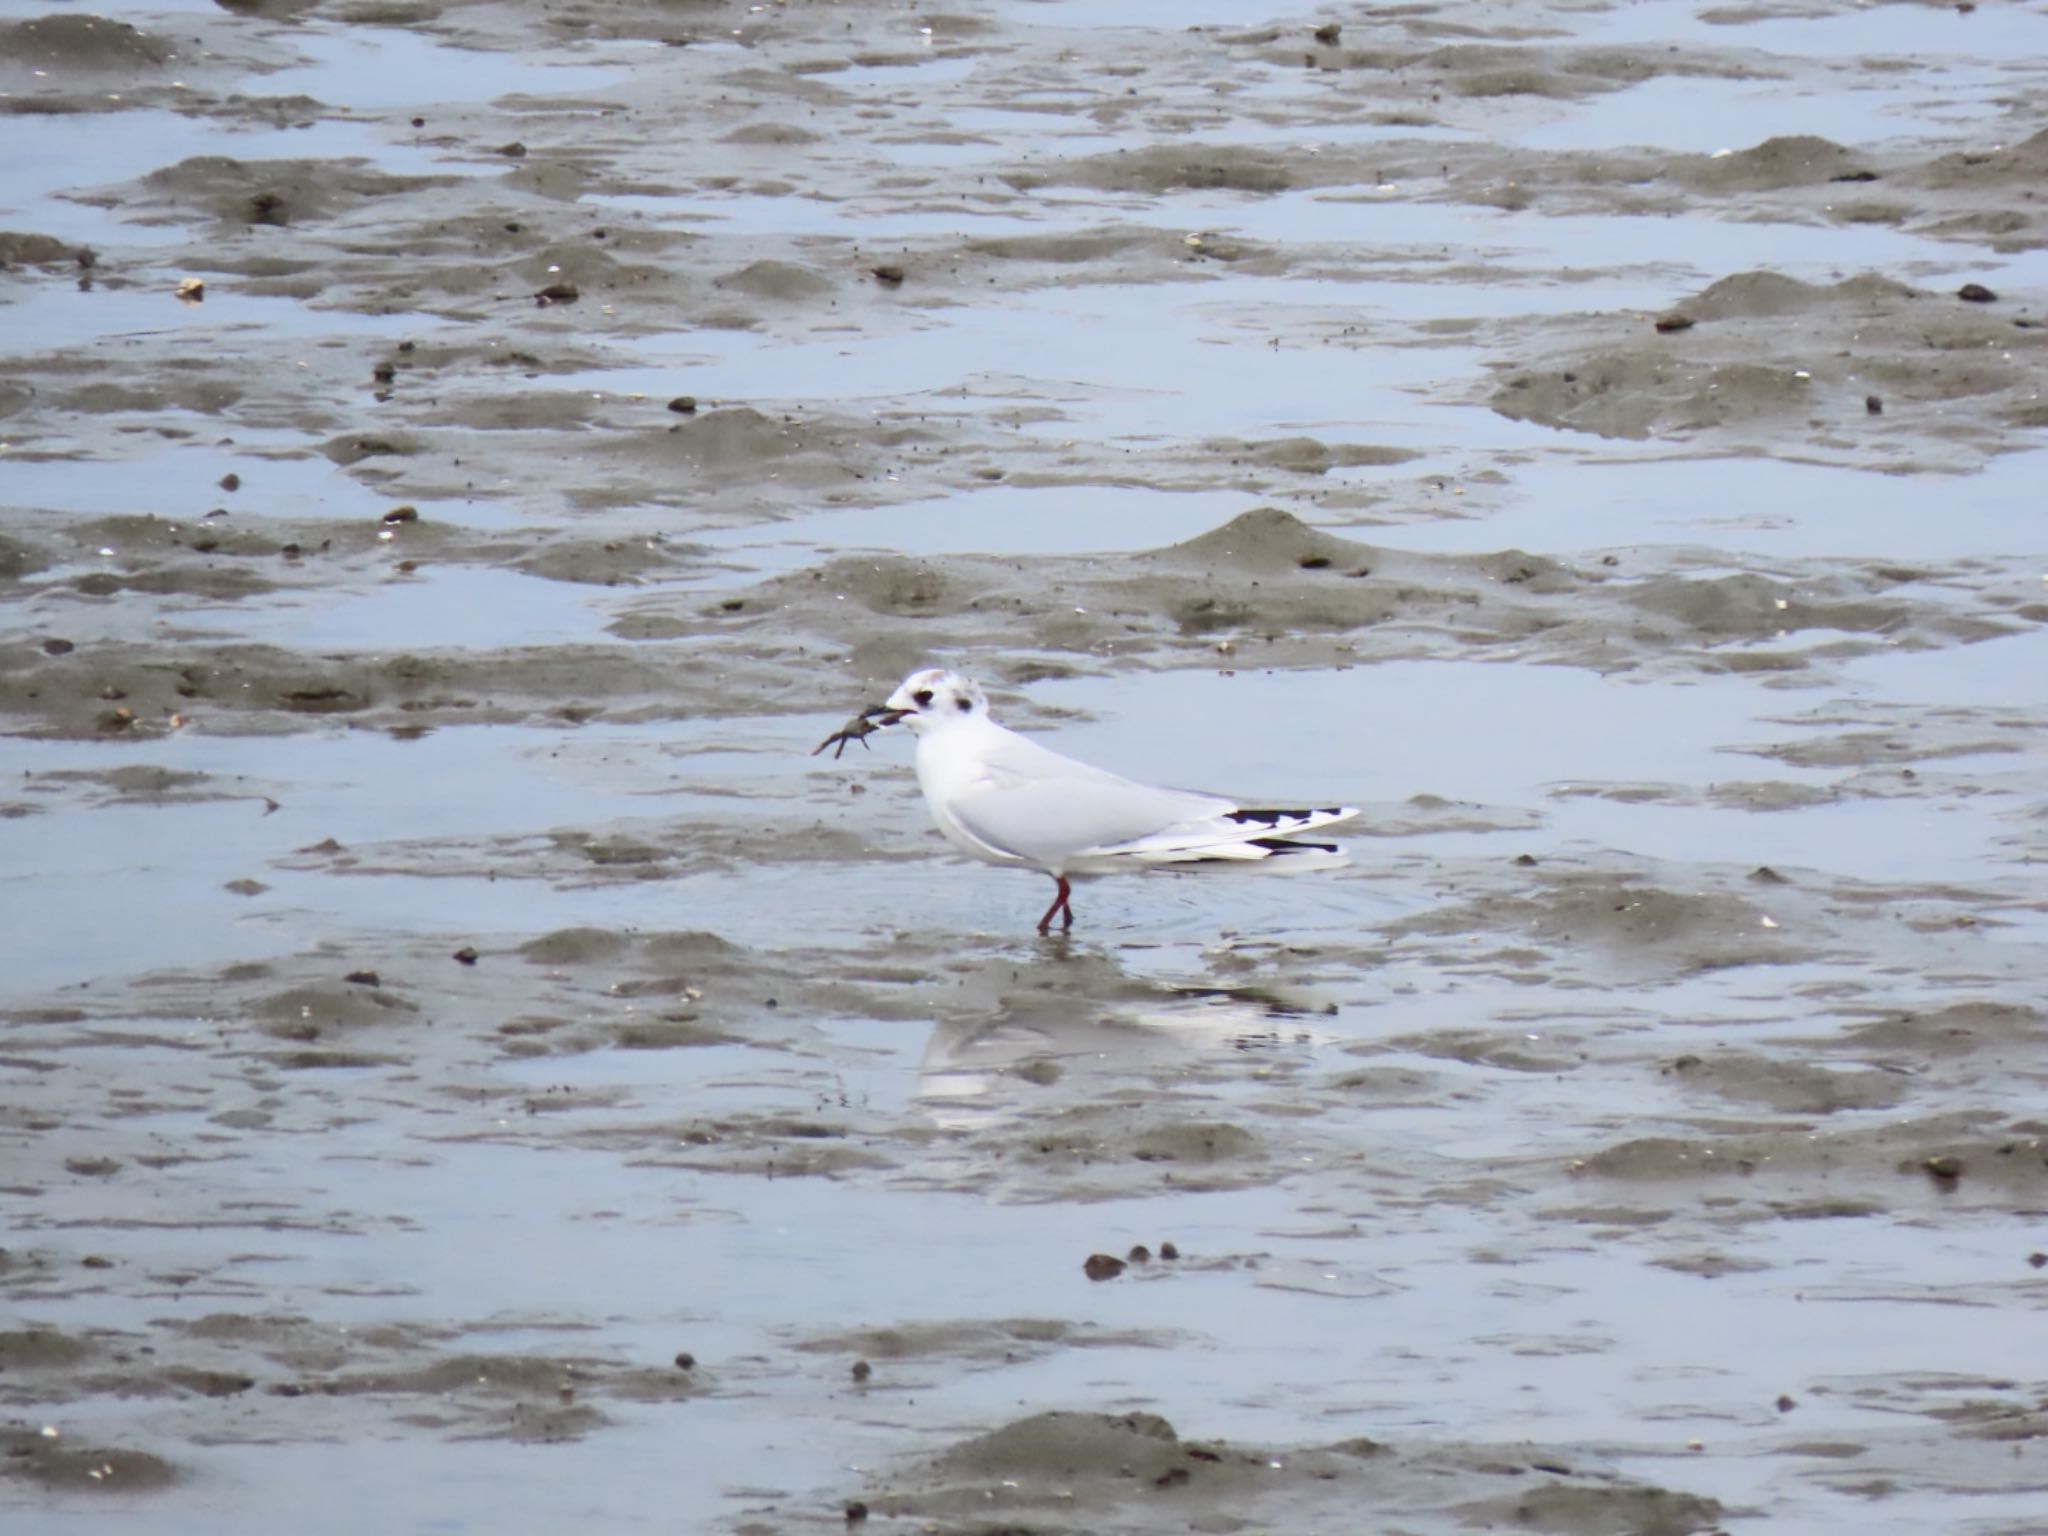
(463, 1063)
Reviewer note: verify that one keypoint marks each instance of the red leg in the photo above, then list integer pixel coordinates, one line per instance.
(1061, 902)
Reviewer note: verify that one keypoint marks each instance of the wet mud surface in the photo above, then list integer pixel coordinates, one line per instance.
(458, 1046)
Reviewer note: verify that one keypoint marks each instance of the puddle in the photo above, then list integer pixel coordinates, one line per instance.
(354, 786)
(2004, 673)
(1692, 249)
(183, 485)
(1510, 737)
(998, 520)
(45, 156)
(1104, 15)
(996, 130)
(441, 607)
(1079, 349)
(1762, 506)
(1705, 117)
(1386, 732)
(898, 80)
(60, 317)
(811, 214)
(368, 68)
(1920, 33)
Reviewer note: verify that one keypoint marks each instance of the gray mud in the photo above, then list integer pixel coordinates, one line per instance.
(459, 1048)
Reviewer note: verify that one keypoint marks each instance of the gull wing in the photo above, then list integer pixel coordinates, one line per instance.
(1239, 833)
(1027, 802)
(1023, 801)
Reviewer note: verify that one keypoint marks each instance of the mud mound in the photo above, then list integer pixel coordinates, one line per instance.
(2025, 163)
(78, 45)
(780, 282)
(1789, 1087)
(252, 193)
(1070, 1446)
(317, 1012)
(1801, 160)
(1751, 294)
(1170, 168)
(741, 443)
(80, 1467)
(1961, 1029)
(1004, 1342)
(1754, 607)
(18, 249)
(1266, 540)
(1079, 1471)
(1759, 357)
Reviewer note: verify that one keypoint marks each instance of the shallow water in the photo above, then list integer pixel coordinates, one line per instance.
(1673, 1043)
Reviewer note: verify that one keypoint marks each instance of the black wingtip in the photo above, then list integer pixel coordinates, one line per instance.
(1267, 816)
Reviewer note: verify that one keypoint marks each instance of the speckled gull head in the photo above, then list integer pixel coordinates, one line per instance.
(934, 698)
(1002, 798)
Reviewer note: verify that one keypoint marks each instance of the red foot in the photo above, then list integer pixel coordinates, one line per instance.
(1061, 903)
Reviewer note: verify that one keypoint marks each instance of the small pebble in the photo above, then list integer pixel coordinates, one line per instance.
(405, 514)
(1674, 322)
(1944, 1169)
(855, 1511)
(56, 647)
(889, 276)
(684, 405)
(364, 978)
(466, 955)
(1976, 293)
(1101, 1266)
(1168, 1252)
(231, 481)
(1139, 1254)
(686, 1361)
(1328, 33)
(1873, 405)
(1786, 1404)
(862, 1370)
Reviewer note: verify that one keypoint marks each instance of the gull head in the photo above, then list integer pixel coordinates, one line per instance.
(934, 698)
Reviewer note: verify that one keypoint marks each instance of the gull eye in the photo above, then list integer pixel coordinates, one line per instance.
(922, 698)
(964, 704)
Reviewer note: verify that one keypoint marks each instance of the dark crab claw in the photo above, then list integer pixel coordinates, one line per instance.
(859, 728)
